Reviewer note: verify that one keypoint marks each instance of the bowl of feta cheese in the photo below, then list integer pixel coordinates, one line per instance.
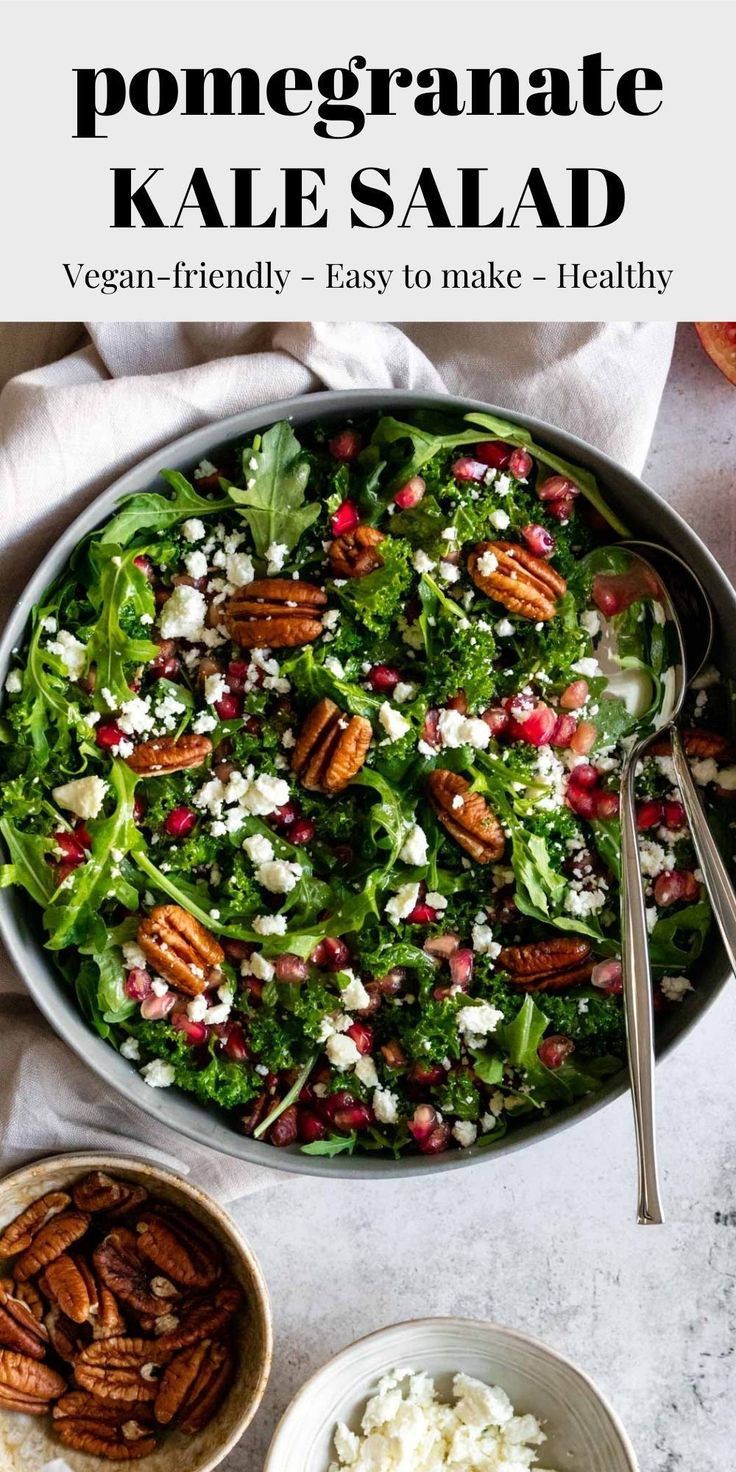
(454, 1393)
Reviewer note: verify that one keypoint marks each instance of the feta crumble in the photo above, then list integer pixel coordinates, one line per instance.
(84, 796)
(183, 614)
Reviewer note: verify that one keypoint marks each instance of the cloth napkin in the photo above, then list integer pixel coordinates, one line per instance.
(68, 428)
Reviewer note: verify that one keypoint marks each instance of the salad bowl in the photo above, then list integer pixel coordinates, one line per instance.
(630, 504)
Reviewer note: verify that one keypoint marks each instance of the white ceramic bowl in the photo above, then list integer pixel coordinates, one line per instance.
(27, 1443)
(584, 1433)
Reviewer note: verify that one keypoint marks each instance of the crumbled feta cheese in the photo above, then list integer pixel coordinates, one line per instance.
(14, 682)
(675, 987)
(505, 628)
(258, 966)
(487, 563)
(478, 1020)
(239, 569)
(49, 623)
(215, 686)
(279, 876)
(133, 955)
(421, 562)
(183, 614)
(584, 902)
(193, 529)
(197, 1008)
(386, 1106)
(394, 724)
(588, 666)
(335, 667)
(652, 858)
(449, 572)
(365, 1070)
(483, 942)
(499, 519)
(727, 779)
(258, 848)
(403, 692)
(465, 1132)
(402, 903)
(414, 847)
(435, 900)
(454, 729)
(158, 1074)
(204, 722)
(269, 925)
(71, 652)
(590, 622)
(135, 717)
(84, 796)
(131, 1049)
(196, 564)
(342, 1052)
(354, 996)
(276, 554)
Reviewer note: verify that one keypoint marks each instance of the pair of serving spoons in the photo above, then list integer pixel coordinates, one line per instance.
(688, 618)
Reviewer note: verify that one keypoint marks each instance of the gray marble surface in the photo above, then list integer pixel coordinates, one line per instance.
(545, 1240)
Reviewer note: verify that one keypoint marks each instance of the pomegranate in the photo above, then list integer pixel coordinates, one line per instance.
(427, 1074)
(612, 592)
(283, 817)
(606, 806)
(302, 831)
(235, 1045)
(553, 1051)
(237, 675)
(422, 914)
(345, 519)
(109, 734)
(138, 984)
(539, 540)
(564, 730)
(283, 1131)
(468, 469)
(674, 815)
(289, 967)
(584, 739)
(310, 1127)
(437, 1141)
(430, 729)
(356, 1117)
(649, 814)
(411, 494)
(441, 946)
(383, 678)
(536, 727)
(194, 1032)
(584, 775)
(574, 695)
(153, 1008)
(675, 885)
(423, 1121)
(165, 665)
(607, 976)
(71, 848)
(582, 801)
(497, 720)
(494, 453)
(331, 954)
(561, 509)
(229, 706)
(139, 809)
(180, 822)
(362, 1036)
(345, 445)
(391, 984)
(144, 565)
(393, 1053)
(557, 488)
(461, 968)
(521, 464)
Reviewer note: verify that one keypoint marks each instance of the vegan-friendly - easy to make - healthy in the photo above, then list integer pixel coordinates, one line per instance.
(311, 765)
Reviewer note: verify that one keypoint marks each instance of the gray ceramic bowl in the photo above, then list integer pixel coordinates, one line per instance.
(638, 505)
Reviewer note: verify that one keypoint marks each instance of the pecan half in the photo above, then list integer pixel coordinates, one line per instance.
(178, 1381)
(66, 1338)
(27, 1293)
(179, 948)
(169, 754)
(209, 1390)
(19, 1234)
(698, 742)
(26, 1382)
(70, 1288)
(203, 1319)
(331, 748)
(54, 1238)
(524, 584)
(122, 1368)
(466, 816)
(99, 1192)
(126, 1441)
(178, 1248)
(20, 1329)
(548, 965)
(355, 554)
(81, 1403)
(123, 1271)
(278, 613)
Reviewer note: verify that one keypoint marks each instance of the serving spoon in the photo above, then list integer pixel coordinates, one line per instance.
(686, 611)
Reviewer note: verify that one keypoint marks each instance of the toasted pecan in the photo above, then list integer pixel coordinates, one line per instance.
(124, 1273)
(19, 1233)
(525, 584)
(355, 554)
(275, 613)
(179, 1249)
(69, 1287)
(99, 1192)
(209, 1390)
(20, 1330)
(22, 1377)
(116, 1442)
(59, 1233)
(179, 1379)
(204, 1318)
(698, 742)
(466, 816)
(124, 1368)
(180, 949)
(548, 965)
(331, 748)
(166, 754)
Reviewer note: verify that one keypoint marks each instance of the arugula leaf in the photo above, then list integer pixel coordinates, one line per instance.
(677, 939)
(157, 512)
(333, 1145)
(274, 494)
(313, 681)
(28, 866)
(74, 907)
(521, 1038)
(119, 585)
(488, 1067)
(424, 445)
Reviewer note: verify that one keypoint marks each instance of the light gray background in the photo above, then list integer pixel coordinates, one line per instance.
(545, 1241)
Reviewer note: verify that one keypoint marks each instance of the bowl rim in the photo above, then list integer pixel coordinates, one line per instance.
(102, 1160)
(461, 1321)
(188, 448)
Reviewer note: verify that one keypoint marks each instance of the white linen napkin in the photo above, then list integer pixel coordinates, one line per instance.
(69, 428)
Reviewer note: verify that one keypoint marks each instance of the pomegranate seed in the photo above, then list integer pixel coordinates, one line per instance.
(423, 1121)
(574, 695)
(180, 822)
(237, 674)
(109, 734)
(649, 814)
(428, 1074)
(393, 1053)
(71, 848)
(194, 1032)
(283, 817)
(254, 987)
(341, 1099)
(345, 519)
(229, 706)
(362, 1036)
(581, 801)
(674, 815)
(461, 967)
(584, 739)
(289, 967)
(565, 728)
(331, 954)
(613, 592)
(139, 809)
(607, 976)
(345, 445)
(411, 494)
(357, 1117)
(437, 1141)
(520, 464)
(458, 702)
(562, 509)
(494, 453)
(497, 720)
(283, 1131)
(431, 726)
(468, 469)
(553, 1051)
(236, 1047)
(422, 914)
(374, 1000)
(153, 1008)
(383, 678)
(606, 806)
(392, 983)
(674, 885)
(556, 487)
(138, 984)
(144, 565)
(539, 540)
(63, 871)
(302, 831)
(535, 728)
(441, 946)
(310, 1126)
(584, 775)
(165, 665)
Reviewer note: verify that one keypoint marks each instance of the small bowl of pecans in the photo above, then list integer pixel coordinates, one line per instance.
(134, 1320)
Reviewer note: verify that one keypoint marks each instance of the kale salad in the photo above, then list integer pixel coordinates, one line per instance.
(310, 764)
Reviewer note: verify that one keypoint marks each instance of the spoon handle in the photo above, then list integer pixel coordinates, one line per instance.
(717, 879)
(638, 1002)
